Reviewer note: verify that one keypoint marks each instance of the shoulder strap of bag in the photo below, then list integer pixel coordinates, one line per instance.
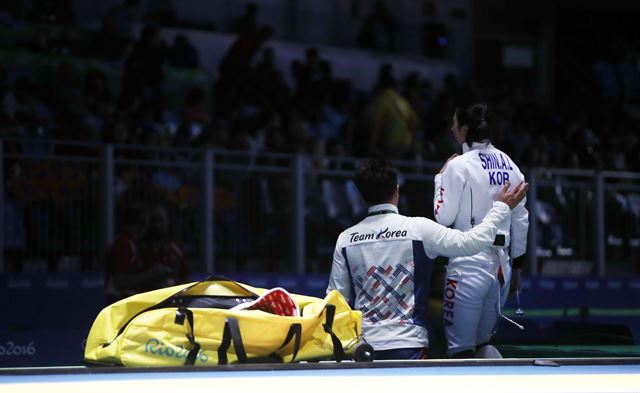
(338, 350)
(181, 313)
(295, 331)
(231, 333)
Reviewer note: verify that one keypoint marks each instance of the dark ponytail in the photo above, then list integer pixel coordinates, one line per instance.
(479, 121)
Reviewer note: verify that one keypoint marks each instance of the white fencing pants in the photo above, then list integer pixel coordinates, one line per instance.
(471, 304)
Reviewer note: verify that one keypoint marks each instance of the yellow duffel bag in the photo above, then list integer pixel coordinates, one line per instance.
(212, 322)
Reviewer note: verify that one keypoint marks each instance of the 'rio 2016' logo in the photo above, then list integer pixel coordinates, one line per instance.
(155, 347)
(12, 349)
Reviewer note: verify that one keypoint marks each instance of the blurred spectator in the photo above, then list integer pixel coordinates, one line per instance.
(143, 72)
(313, 77)
(298, 132)
(247, 22)
(582, 144)
(117, 28)
(378, 29)
(124, 268)
(419, 94)
(195, 109)
(267, 76)
(630, 78)
(236, 62)
(143, 257)
(269, 82)
(30, 114)
(98, 98)
(68, 103)
(325, 122)
(235, 87)
(159, 249)
(340, 211)
(393, 120)
(150, 122)
(276, 139)
(183, 53)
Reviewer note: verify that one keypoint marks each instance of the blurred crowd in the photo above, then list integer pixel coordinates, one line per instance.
(250, 107)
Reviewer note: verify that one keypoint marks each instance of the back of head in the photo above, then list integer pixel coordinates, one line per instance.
(377, 181)
(479, 121)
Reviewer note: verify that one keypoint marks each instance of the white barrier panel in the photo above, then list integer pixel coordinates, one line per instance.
(477, 379)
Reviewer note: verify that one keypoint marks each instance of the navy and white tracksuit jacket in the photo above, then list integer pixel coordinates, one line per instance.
(382, 266)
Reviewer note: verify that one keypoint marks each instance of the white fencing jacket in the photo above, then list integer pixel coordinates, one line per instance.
(465, 192)
(381, 265)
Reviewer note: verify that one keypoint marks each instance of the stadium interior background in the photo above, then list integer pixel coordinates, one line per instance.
(239, 124)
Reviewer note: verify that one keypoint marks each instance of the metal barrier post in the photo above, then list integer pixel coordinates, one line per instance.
(208, 217)
(107, 197)
(2, 222)
(532, 199)
(599, 233)
(298, 236)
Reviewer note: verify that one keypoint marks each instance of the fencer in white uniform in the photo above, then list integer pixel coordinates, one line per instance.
(476, 287)
(382, 264)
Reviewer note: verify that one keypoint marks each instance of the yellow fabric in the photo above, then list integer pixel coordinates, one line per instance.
(154, 339)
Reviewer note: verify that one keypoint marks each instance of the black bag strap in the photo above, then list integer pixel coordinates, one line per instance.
(231, 333)
(181, 313)
(295, 331)
(166, 302)
(338, 350)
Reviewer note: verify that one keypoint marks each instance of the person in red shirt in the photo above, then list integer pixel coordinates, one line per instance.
(143, 257)
(158, 249)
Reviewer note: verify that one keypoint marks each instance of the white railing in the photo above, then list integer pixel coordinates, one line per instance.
(275, 206)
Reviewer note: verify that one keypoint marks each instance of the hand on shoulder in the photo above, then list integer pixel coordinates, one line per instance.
(514, 196)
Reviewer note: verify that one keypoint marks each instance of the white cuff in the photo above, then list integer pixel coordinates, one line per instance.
(501, 205)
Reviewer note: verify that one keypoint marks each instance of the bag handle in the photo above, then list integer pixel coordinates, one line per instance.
(295, 331)
(338, 350)
(193, 353)
(163, 303)
(210, 278)
(231, 333)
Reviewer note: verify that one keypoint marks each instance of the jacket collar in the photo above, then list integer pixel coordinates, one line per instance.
(476, 145)
(383, 206)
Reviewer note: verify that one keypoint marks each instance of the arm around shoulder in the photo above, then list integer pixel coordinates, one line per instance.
(440, 240)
